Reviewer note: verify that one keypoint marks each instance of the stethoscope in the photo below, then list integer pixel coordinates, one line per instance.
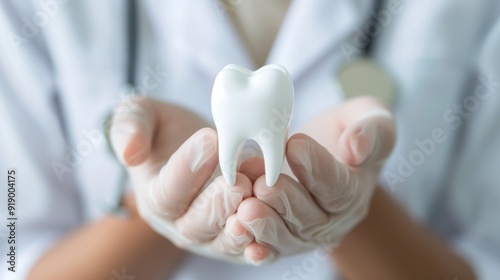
(364, 75)
(131, 61)
(355, 78)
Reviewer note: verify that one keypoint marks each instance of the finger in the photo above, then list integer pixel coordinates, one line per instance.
(182, 178)
(258, 254)
(233, 239)
(332, 184)
(268, 228)
(207, 215)
(175, 125)
(359, 131)
(131, 130)
(367, 140)
(294, 204)
(253, 168)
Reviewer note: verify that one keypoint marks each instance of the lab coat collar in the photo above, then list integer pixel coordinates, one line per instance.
(206, 34)
(311, 30)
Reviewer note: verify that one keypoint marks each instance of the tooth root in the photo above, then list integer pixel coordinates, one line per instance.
(250, 105)
(229, 150)
(274, 154)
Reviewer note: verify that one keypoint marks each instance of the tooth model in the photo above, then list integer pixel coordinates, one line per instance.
(252, 105)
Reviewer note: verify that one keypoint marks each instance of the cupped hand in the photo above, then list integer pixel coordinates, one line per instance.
(172, 160)
(334, 169)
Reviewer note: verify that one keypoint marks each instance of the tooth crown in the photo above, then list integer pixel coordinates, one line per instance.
(252, 105)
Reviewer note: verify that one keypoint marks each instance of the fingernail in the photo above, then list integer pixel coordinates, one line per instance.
(204, 148)
(266, 260)
(120, 138)
(375, 112)
(258, 263)
(136, 156)
(363, 143)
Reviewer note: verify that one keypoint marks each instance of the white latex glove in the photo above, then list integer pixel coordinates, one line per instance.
(335, 180)
(178, 189)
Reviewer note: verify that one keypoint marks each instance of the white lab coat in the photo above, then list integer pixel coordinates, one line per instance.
(62, 69)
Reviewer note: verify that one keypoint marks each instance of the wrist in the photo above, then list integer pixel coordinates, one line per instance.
(389, 244)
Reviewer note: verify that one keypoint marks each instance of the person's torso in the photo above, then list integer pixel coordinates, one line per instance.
(183, 45)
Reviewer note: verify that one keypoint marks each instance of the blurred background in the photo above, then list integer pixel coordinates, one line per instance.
(66, 64)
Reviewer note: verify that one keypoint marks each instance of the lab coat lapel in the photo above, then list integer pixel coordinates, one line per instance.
(207, 30)
(313, 29)
(310, 30)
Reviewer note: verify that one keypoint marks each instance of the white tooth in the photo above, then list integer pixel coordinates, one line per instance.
(252, 105)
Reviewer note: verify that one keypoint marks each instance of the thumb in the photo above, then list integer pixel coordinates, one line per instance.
(132, 129)
(369, 139)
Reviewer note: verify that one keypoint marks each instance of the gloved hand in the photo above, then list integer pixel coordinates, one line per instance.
(178, 189)
(337, 168)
